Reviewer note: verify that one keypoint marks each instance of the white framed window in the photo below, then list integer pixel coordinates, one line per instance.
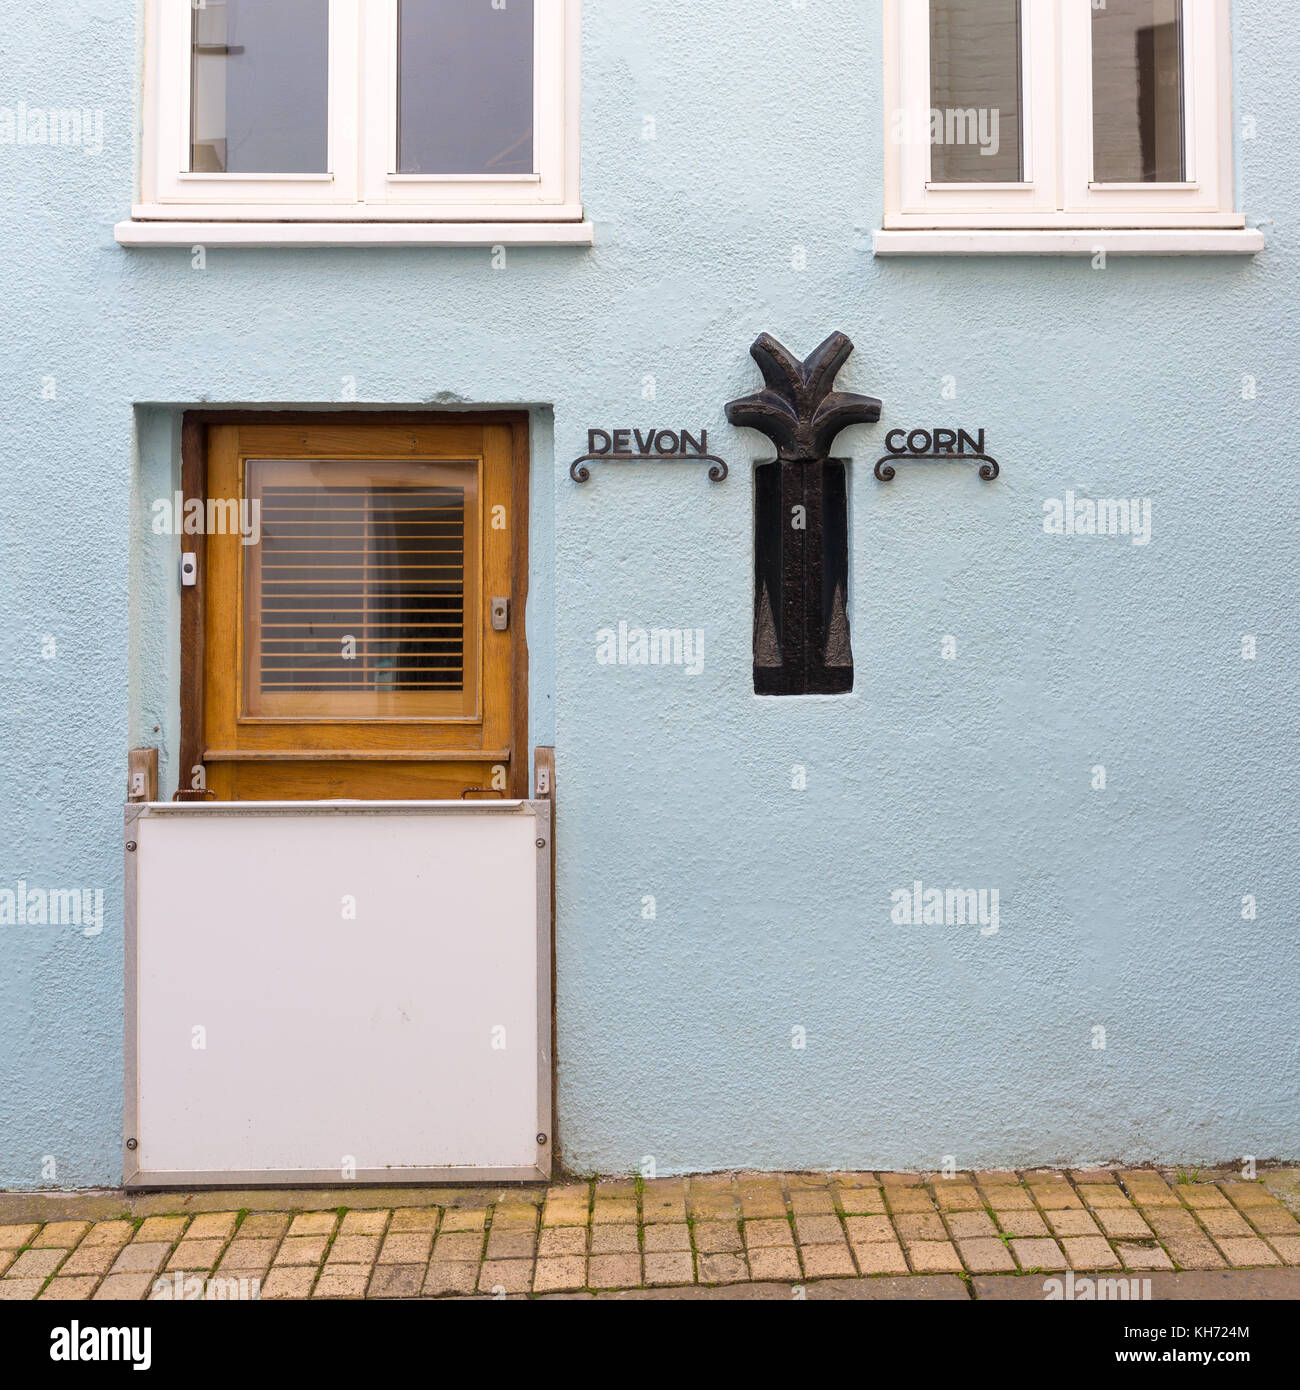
(448, 111)
(465, 133)
(1058, 114)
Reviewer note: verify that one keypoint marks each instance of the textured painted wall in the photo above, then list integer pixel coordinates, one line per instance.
(1119, 909)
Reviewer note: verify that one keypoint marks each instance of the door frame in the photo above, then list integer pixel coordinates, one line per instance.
(194, 483)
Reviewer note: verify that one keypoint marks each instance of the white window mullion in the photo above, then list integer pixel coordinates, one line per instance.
(345, 98)
(377, 135)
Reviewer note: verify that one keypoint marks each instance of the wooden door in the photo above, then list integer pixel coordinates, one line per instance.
(359, 620)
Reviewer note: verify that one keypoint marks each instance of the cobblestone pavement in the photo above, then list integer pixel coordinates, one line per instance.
(719, 1230)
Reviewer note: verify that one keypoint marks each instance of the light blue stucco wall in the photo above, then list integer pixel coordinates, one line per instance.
(1120, 908)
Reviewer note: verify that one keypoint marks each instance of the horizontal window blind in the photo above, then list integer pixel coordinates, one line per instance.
(360, 590)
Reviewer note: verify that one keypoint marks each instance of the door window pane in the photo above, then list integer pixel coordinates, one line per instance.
(465, 87)
(259, 89)
(975, 118)
(1137, 92)
(360, 596)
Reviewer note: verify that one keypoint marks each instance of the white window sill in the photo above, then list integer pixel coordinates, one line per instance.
(1168, 241)
(307, 234)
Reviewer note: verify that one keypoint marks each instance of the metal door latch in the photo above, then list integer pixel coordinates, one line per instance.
(500, 614)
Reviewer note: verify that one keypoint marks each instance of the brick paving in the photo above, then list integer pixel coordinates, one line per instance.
(605, 1236)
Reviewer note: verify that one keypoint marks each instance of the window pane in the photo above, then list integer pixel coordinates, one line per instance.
(1137, 92)
(358, 589)
(260, 87)
(465, 87)
(975, 118)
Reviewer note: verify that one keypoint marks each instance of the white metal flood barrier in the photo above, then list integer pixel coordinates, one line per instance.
(325, 992)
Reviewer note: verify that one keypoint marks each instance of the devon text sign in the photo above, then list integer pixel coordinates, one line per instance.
(652, 446)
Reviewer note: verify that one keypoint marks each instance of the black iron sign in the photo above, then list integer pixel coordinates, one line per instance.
(938, 445)
(652, 446)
